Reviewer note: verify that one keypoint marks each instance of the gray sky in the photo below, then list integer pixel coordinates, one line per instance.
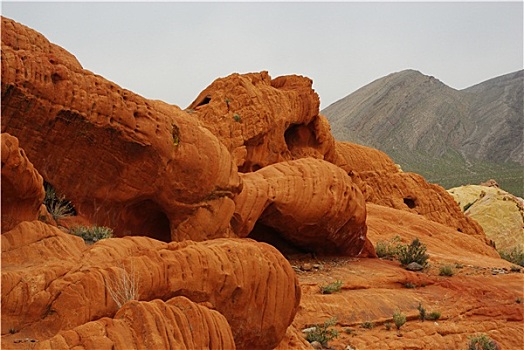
(171, 50)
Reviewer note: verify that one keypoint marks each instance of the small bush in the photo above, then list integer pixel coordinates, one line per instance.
(446, 271)
(367, 325)
(388, 326)
(331, 288)
(415, 252)
(422, 312)
(409, 285)
(322, 333)
(433, 316)
(482, 342)
(348, 330)
(92, 234)
(399, 319)
(515, 256)
(237, 118)
(123, 286)
(387, 249)
(56, 205)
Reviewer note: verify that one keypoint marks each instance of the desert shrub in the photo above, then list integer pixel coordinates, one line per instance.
(433, 316)
(446, 271)
(367, 325)
(387, 249)
(237, 118)
(415, 252)
(331, 288)
(515, 256)
(399, 319)
(482, 342)
(57, 205)
(323, 333)
(388, 326)
(422, 312)
(123, 286)
(410, 285)
(92, 234)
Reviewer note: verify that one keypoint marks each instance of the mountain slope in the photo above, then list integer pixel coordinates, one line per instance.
(450, 136)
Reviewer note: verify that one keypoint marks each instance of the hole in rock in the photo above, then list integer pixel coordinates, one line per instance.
(204, 101)
(410, 202)
(269, 235)
(146, 218)
(298, 136)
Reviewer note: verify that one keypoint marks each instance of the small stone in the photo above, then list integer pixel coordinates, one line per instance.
(307, 267)
(414, 266)
(316, 345)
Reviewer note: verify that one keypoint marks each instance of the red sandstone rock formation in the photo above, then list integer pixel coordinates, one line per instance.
(309, 202)
(249, 283)
(136, 165)
(175, 324)
(383, 183)
(22, 186)
(263, 121)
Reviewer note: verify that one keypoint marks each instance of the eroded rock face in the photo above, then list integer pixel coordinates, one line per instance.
(136, 165)
(175, 324)
(263, 121)
(383, 183)
(310, 202)
(22, 185)
(249, 283)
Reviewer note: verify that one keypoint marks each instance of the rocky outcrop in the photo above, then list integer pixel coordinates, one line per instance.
(22, 185)
(309, 202)
(263, 121)
(382, 182)
(175, 324)
(72, 288)
(136, 165)
(500, 213)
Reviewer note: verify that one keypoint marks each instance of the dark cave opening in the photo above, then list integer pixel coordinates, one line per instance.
(269, 235)
(146, 218)
(410, 202)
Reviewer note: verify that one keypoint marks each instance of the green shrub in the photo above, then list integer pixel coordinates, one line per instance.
(415, 252)
(387, 249)
(388, 326)
(237, 118)
(331, 288)
(56, 205)
(482, 342)
(446, 271)
(322, 333)
(515, 256)
(399, 319)
(92, 234)
(367, 325)
(433, 316)
(422, 312)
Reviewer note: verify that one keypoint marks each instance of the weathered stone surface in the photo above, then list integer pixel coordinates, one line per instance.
(136, 165)
(263, 121)
(500, 213)
(175, 324)
(22, 185)
(250, 283)
(310, 202)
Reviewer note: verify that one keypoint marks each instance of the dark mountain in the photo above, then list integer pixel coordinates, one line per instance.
(452, 137)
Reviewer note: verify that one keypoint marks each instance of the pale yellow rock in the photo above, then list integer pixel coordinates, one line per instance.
(500, 213)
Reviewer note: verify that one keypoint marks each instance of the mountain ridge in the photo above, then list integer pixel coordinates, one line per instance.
(415, 118)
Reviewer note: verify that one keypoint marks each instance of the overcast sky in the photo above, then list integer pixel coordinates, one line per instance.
(172, 50)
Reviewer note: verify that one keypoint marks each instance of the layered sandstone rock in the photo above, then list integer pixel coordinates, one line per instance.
(263, 121)
(136, 165)
(500, 213)
(175, 324)
(22, 185)
(308, 202)
(249, 283)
